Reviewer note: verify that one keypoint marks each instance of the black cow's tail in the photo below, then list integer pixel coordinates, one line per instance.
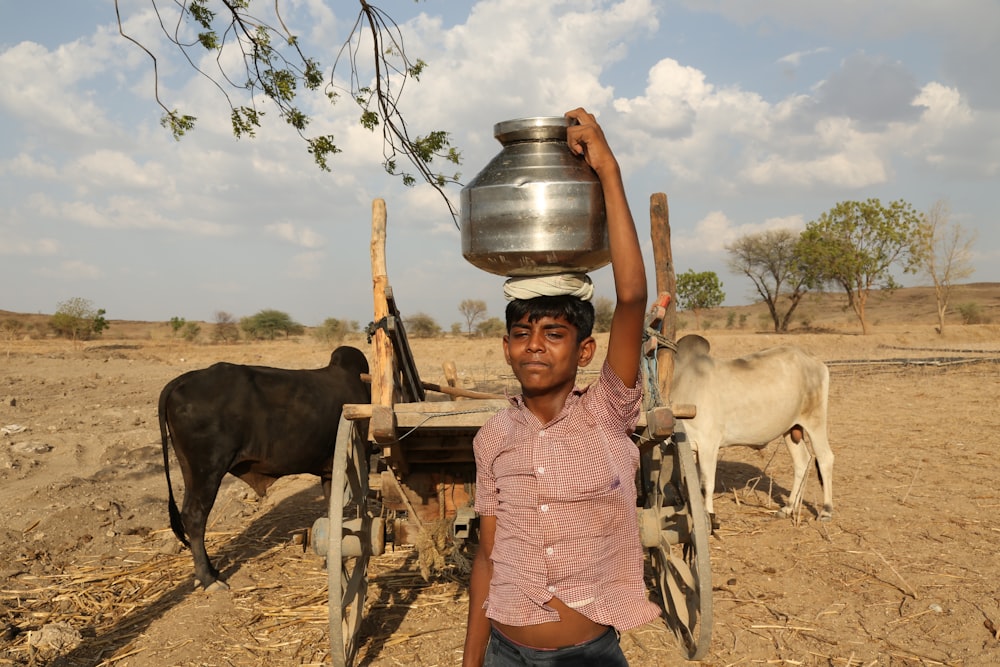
(176, 523)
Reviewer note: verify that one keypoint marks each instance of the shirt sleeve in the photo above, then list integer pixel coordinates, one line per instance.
(486, 485)
(621, 401)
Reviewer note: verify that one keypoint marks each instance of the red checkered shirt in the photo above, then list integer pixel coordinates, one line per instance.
(564, 497)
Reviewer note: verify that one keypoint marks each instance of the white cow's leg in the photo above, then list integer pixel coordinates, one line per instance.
(708, 460)
(800, 462)
(824, 463)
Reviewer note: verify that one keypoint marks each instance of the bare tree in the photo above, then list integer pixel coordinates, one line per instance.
(945, 254)
(473, 310)
(770, 261)
(11, 328)
(226, 329)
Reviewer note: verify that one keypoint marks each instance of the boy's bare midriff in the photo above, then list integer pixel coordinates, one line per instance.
(571, 629)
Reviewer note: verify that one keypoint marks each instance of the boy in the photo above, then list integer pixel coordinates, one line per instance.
(559, 570)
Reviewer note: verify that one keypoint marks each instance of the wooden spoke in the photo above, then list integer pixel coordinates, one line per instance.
(681, 560)
(352, 529)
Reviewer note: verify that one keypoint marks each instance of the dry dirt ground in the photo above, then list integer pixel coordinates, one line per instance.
(905, 574)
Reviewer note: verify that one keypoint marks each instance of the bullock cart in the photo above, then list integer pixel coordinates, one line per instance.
(404, 471)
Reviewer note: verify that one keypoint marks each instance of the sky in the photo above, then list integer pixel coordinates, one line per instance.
(748, 115)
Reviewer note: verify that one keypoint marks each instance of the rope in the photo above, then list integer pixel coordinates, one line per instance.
(372, 327)
(649, 365)
(436, 415)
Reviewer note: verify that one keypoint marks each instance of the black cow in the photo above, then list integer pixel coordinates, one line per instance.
(258, 424)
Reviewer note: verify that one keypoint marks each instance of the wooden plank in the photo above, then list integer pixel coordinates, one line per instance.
(448, 390)
(470, 414)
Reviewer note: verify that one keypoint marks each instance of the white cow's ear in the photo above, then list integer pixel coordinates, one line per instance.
(693, 344)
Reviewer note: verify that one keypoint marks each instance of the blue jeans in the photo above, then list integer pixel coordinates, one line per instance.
(603, 651)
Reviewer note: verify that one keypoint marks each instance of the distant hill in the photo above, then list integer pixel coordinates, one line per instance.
(910, 306)
(904, 306)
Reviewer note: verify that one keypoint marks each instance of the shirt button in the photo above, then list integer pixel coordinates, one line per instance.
(550, 551)
(544, 508)
(552, 589)
(541, 470)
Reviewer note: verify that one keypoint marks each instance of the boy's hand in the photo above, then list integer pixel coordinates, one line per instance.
(587, 138)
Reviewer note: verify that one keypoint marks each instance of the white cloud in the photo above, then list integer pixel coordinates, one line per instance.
(300, 236)
(11, 244)
(715, 231)
(307, 265)
(838, 155)
(27, 166)
(72, 269)
(795, 59)
(943, 106)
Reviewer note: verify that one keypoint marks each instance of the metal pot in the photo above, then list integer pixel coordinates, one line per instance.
(536, 208)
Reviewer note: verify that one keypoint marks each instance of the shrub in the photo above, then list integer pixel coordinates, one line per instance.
(11, 328)
(331, 331)
(493, 327)
(268, 323)
(422, 325)
(191, 331)
(972, 313)
(77, 319)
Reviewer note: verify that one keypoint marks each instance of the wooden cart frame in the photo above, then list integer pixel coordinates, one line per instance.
(415, 457)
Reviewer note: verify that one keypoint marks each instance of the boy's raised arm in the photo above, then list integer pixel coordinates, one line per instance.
(625, 340)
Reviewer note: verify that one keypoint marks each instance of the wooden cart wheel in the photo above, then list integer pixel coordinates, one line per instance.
(681, 560)
(354, 534)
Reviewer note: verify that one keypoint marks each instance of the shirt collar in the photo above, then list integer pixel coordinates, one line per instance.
(517, 402)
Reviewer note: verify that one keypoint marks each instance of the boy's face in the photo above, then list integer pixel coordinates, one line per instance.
(544, 354)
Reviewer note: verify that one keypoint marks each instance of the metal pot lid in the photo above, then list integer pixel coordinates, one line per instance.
(535, 128)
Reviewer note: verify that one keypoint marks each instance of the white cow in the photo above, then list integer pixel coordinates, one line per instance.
(752, 401)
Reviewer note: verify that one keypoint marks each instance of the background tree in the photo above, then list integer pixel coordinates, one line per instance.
(604, 310)
(493, 327)
(422, 325)
(225, 330)
(472, 310)
(78, 319)
(176, 324)
(856, 244)
(268, 323)
(770, 261)
(698, 291)
(260, 62)
(945, 252)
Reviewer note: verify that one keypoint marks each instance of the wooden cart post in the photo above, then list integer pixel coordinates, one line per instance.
(666, 283)
(673, 522)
